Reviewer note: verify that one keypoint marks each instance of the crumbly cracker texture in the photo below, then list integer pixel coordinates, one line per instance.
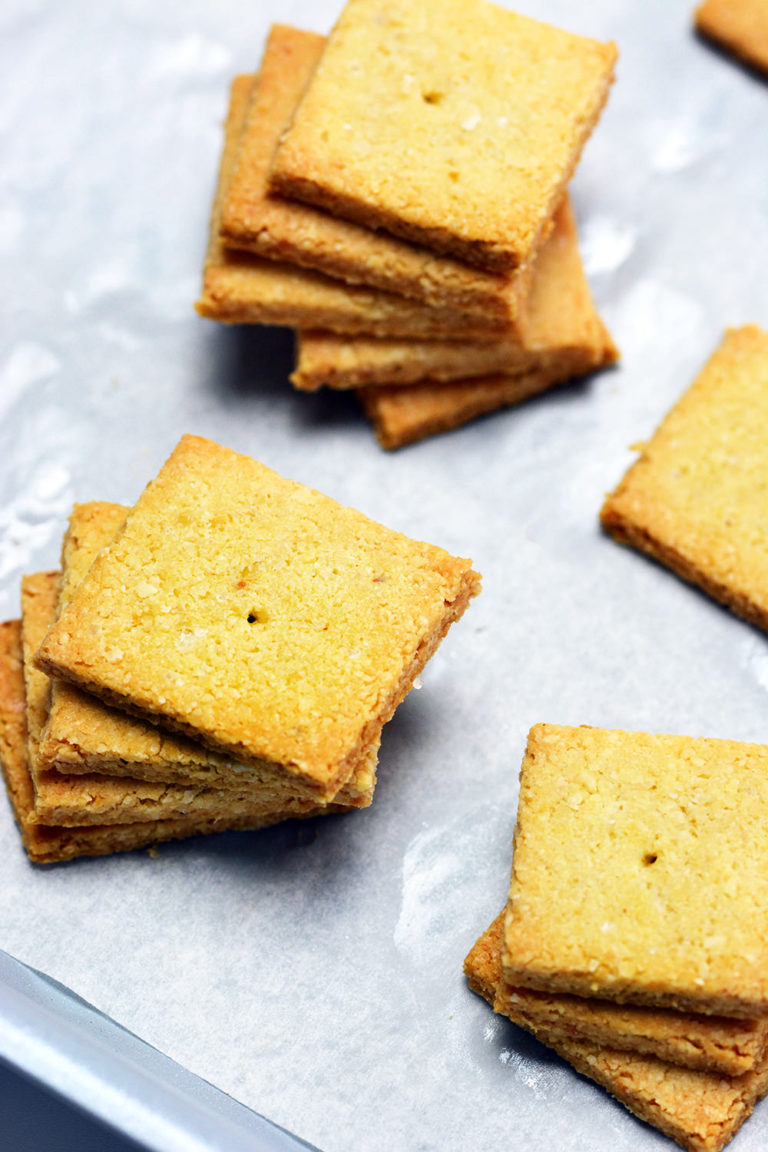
(730, 1046)
(265, 618)
(403, 416)
(640, 870)
(453, 123)
(696, 497)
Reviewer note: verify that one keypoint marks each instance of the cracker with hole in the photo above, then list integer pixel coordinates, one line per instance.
(257, 615)
(82, 734)
(452, 123)
(696, 497)
(640, 870)
(300, 234)
(98, 798)
(701, 1110)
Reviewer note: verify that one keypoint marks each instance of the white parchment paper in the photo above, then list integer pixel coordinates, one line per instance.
(314, 971)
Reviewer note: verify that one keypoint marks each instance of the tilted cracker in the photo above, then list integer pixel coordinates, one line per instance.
(49, 844)
(696, 497)
(94, 798)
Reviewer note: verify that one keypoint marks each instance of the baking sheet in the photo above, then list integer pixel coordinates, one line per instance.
(314, 971)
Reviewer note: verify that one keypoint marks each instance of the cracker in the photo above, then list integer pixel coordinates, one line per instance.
(101, 799)
(741, 26)
(83, 734)
(695, 499)
(46, 844)
(287, 230)
(452, 123)
(700, 1110)
(561, 323)
(240, 288)
(257, 614)
(640, 871)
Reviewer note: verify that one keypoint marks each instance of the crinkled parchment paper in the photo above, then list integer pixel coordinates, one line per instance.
(314, 971)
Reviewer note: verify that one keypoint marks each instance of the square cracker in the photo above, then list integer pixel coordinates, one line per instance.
(700, 1110)
(83, 734)
(696, 497)
(240, 288)
(640, 871)
(300, 234)
(452, 123)
(257, 614)
(561, 326)
(101, 799)
(48, 844)
(741, 26)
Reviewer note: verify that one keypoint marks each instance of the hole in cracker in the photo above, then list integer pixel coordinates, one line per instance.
(650, 858)
(257, 616)
(432, 97)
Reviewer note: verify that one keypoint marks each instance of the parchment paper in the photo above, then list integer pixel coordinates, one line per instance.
(314, 971)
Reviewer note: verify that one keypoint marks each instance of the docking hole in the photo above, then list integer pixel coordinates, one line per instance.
(650, 858)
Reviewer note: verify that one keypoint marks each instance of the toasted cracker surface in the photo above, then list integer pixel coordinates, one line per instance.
(94, 798)
(48, 844)
(640, 871)
(403, 416)
(83, 734)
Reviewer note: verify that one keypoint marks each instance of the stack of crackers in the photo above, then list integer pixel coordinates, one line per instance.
(222, 655)
(397, 194)
(635, 937)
